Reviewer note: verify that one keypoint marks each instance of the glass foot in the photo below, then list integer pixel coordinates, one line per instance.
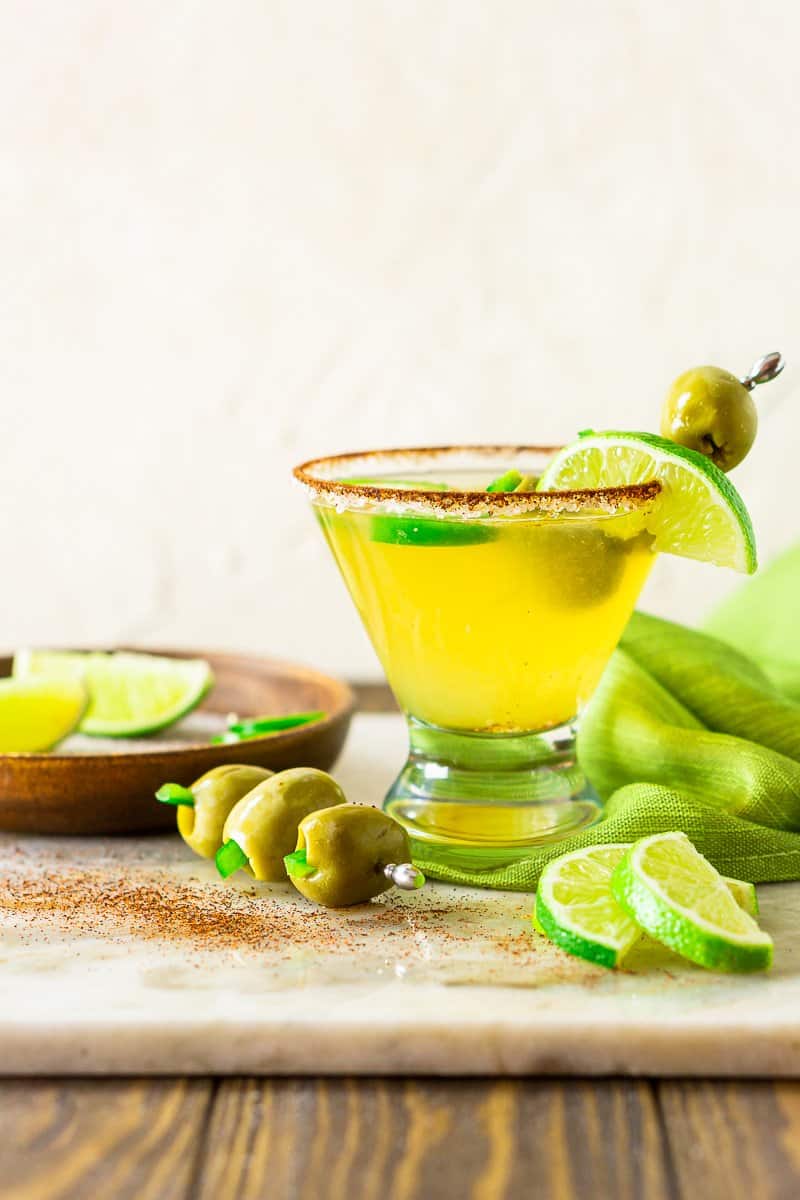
(484, 800)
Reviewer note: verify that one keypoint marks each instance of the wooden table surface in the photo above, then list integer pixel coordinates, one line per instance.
(395, 1139)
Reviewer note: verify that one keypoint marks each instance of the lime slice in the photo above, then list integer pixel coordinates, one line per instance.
(130, 694)
(36, 714)
(744, 894)
(576, 908)
(677, 897)
(699, 513)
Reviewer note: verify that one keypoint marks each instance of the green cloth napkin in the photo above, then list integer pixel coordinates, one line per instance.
(762, 620)
(686, 731)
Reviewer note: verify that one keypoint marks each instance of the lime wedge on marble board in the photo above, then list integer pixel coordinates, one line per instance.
(576, 908)
(679, 898)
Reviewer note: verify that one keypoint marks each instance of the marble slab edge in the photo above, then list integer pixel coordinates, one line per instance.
(489, 1050)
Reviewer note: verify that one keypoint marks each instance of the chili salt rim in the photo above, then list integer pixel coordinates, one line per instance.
(611, 500)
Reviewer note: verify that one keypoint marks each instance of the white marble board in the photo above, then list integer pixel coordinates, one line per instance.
(130, 956)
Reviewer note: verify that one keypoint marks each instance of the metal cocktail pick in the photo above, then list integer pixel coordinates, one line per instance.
(766, 368)
(405, 876)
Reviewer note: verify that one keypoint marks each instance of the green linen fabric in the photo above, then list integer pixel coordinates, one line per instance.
(762, 620)
(687, 731)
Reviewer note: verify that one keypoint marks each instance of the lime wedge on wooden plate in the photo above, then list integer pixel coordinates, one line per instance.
(699, 513)
(678, 897)
(37, 714)
(130, 695)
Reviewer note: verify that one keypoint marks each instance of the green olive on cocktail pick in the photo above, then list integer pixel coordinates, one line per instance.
(710, 410)
(262, 828)
(204, 807)
(349, 854)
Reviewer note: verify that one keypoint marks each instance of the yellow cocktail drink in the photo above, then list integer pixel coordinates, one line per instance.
(494, 614)
(503, 634)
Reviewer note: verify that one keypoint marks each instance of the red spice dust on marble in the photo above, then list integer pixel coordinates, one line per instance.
(150, 905)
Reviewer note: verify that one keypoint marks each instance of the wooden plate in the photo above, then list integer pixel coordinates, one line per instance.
(112, 792)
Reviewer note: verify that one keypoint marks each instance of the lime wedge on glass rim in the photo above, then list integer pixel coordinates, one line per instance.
(680, 899)
(36, 714)
(130, 695)
(699, 513)
(576, 907)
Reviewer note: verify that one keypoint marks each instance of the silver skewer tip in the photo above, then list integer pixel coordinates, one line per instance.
(768, 367)
(405, 876)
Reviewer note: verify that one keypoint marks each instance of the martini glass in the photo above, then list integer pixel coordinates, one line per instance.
(494, 615)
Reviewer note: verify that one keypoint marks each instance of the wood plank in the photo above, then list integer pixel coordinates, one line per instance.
(111, 1139)
(733, 1140)
(374, 697)
(407, 1139)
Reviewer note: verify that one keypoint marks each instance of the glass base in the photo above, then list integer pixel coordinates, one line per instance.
(480, 800)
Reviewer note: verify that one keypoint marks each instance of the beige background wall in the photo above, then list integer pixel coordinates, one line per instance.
(236, 234)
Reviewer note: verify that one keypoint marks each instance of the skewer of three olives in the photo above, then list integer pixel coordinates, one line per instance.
(296, 823)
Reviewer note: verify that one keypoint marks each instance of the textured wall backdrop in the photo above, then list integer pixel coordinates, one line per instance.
(237, 234)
